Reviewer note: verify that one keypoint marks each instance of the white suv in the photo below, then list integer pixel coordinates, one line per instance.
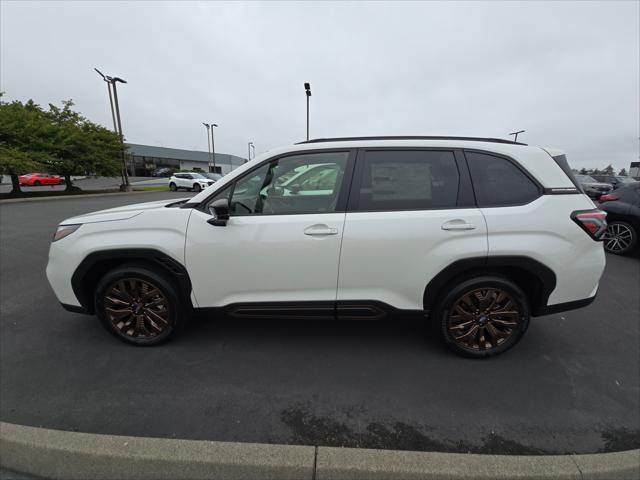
(477, 235)
(190, 181)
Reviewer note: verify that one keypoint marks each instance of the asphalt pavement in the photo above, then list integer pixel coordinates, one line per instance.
(571, 385)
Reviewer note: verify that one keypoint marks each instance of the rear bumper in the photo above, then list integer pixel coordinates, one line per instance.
(563, 307)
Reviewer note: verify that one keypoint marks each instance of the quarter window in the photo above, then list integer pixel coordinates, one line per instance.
(408, 180)
(497, 181)
(307, 183)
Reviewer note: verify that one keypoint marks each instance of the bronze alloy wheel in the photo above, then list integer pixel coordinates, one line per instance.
(137, 308)
(483, 319)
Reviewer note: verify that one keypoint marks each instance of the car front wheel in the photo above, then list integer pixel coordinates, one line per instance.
(196, 187)
(620, 237)
(482, 317)
(139, 305)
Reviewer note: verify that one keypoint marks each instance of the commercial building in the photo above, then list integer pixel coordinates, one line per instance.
(144, 159)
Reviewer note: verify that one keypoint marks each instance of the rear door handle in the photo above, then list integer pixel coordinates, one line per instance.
(320, 230)
(458, 225)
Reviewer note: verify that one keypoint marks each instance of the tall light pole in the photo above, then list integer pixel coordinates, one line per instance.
(213, 147)
(516, 134)
(117, 123)
(208, 127)
(249, 146)
(307, 90)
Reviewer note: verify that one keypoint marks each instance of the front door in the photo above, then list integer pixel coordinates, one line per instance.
(282, 241)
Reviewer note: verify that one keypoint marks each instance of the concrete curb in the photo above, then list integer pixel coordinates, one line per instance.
(67, 197)
(57, 454)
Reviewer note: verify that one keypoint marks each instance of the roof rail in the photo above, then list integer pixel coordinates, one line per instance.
(410, 137)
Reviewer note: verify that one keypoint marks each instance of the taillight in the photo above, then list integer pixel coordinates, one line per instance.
(609, 197)
(591, 221)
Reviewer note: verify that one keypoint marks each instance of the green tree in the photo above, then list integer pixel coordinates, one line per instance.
(58, 140)
(583, 171)
(609, 170)
(623, 172)
(81, 147)
(23, 132)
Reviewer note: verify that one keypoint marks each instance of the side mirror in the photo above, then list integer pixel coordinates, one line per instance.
(220, 211)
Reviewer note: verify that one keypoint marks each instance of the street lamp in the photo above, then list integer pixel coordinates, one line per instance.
(213, 148)
(117, 123)
(208, 127)
(250, 145)
(307, 90)
(516, 134)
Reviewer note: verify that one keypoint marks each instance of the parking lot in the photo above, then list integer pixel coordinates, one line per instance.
(571, 385)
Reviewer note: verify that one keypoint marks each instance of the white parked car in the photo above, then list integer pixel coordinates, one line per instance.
(475, 235)
(189, 181)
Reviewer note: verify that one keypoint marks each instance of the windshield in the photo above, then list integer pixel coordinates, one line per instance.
(197, 175)
(585, 178)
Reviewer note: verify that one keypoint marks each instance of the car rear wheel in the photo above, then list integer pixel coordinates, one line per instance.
(196, 187)
(173, 187)
(620, 237)
(37, 183)
(482, 317)
(139, 305)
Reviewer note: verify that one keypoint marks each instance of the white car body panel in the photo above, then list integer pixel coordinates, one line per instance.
(392, 256)
(264, 258)
(544, 231)
(153, 227)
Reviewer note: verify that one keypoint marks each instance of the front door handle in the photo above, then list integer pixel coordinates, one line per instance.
(320, 230)
(458, 225)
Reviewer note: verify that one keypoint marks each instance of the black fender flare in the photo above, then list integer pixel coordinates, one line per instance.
(525, 269)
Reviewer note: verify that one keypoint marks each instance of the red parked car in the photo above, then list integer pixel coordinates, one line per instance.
(37, 179)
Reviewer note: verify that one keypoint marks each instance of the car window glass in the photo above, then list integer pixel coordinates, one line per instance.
(307, 183)
(497, 181)
(408, 179)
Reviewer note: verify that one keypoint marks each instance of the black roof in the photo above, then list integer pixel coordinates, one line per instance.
(410, 137)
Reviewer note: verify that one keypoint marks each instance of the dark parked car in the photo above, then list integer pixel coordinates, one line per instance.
(623, 219)
(616, 180)
(592, 187)
(162, 172)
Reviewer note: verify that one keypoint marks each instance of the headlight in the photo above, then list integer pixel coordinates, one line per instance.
(65, 230)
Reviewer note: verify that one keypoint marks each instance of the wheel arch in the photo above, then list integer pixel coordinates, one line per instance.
(96, 264)
(534, 278)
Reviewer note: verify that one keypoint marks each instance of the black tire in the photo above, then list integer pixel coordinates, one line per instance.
(489, 327)
(196, 187)
(620, 238)
(115, 290)
(37, 183)
(173, 187)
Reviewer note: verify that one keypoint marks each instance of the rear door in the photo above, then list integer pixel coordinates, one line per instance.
(411, 214)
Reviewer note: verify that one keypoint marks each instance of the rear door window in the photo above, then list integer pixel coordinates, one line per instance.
(407, 180)
(499, 182)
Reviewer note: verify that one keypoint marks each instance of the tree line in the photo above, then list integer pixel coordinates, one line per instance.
(608, 170)
(54, 140)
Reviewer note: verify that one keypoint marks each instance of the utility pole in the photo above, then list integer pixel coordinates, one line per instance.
(117, 123)
(307, 89)
(516, 134)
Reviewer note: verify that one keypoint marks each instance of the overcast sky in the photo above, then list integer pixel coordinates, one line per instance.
(567, 72)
